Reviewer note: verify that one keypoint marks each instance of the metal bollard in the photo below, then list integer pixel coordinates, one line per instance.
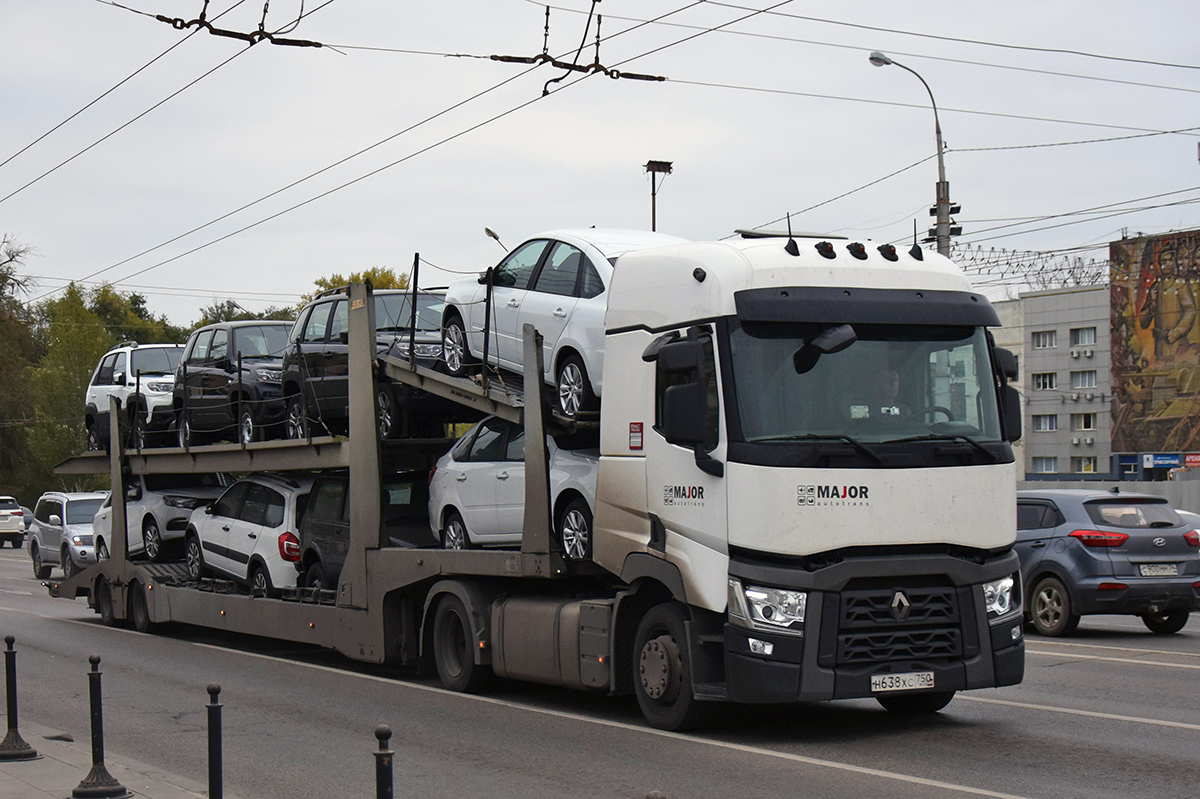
(383, 764)
(13, 747)
(216, 777)
(98, 782)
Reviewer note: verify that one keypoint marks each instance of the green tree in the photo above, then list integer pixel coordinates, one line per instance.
(19, 347)
(381, 277)
(128, 319)
(230, 311)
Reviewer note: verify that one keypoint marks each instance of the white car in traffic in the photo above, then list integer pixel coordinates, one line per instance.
(477, 491)
(558, 282)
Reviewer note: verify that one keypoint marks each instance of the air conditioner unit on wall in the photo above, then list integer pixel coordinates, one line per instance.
(1089, 440)
(1075, 397)
(1074, 440)
(1091, 396)
(1087, 353)
(1074, 353)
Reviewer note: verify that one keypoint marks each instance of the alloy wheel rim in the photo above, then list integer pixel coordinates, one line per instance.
(384, 405)
(575, 535)
(570, 389)
(452, 348)
(295, 424)
(1049, 609)
(152, 540)
(456, 536)
(247, 428)
(193, 558)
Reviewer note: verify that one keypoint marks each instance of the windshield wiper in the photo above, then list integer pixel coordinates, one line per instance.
(854, 442)
(948, 437)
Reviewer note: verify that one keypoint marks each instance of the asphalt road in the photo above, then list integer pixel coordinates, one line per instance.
(1110, 712)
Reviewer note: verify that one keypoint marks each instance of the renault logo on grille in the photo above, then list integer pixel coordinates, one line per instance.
(900, 606)
(1160, 542)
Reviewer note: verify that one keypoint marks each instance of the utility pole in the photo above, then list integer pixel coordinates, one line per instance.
(655, 168)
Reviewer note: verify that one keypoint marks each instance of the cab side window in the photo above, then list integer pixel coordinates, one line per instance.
(707, 377)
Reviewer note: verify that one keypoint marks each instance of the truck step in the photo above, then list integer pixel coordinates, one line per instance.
(711, 691)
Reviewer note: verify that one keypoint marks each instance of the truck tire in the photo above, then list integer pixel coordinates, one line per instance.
(916, 704)
(662, 671)
(104, 603)
(139, 610)
(454, 650)
(1172, 621)
(1050, 608)
(40, 570)
(575, 530)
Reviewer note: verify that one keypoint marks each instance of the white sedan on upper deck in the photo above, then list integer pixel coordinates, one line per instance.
(558, 282)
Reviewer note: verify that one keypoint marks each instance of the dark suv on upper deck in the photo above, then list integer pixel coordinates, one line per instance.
(316, 365)
(229, 382)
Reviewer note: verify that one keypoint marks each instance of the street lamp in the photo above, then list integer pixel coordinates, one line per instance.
(942, 231)
(656, 168)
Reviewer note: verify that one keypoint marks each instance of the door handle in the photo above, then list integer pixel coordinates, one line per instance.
(251, 535)
(1037, 545)
(502, 476)
(514, 303)
(226, 529)
(559, 312)
(461, 478)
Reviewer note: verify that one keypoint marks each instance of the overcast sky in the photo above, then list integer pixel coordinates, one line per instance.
(779, 112)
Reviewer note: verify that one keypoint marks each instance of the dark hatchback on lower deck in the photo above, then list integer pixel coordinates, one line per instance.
(1090, 552)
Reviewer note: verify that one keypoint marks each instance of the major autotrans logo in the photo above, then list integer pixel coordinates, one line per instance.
(832, 495)
(683, 495)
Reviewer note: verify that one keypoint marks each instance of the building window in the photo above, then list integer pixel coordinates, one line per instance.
(1086, 379)
(1084, 465)
(1045, 422)
(1083, 421)
(1045, 381)
(1045, 339)
(1083, 336)
(1045, 465)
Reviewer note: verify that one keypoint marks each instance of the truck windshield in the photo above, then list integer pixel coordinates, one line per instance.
(892, 383)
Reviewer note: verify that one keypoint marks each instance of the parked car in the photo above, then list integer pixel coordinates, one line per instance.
(157, 510)
(249, 533)
(477, 491)
(12, 522)
(142, 377)
(316, 365)
(61, 533)
(325, 530)
(1084, 552)
(229, 381)
(557, 281)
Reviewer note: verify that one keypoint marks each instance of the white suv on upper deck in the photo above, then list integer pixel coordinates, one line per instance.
(557, 281)
(142, 378)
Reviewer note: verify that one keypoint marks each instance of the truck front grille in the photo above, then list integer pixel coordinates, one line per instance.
(895, 607)
(877, 625)
(879, 647)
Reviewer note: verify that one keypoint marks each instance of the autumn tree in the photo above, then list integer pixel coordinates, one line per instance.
(230, 311)
(381, 277)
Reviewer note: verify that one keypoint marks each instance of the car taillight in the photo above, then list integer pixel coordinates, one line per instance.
(1097, 538)
(22, 513)
(432, 472)
(289, 547)
(1193, 538)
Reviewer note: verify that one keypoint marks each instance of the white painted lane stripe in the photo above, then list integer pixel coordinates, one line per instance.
(1073, 712)
(1133, 661)
(1121, 649)
(752, 750)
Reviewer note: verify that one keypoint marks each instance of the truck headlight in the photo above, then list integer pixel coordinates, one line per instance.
(767, 608)
(1002, 596)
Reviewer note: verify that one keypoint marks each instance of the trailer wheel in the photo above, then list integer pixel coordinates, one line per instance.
(104, 603)
(662, 671)
(453, 649)
(40, 570)
(916, 704)
(139, 610)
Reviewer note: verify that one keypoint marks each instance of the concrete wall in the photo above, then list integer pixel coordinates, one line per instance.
(1184, 495)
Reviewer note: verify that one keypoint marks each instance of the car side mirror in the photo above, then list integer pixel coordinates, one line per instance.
(55, 520)
(344, 336)
(133, 493)
(118, 378)
(209, 508)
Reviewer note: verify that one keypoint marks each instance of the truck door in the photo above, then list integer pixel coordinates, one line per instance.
(689, 501)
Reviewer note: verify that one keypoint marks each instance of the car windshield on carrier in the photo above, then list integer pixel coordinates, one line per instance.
(155, 360)
(891, 382)
(82, 511)
(394, 311)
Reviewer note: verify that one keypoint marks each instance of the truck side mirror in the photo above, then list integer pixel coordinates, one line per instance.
(1007, 362)
(681, 356)
(683, 415)
(1012, 413)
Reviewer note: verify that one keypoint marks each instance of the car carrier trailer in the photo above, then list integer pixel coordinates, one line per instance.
(726, 568)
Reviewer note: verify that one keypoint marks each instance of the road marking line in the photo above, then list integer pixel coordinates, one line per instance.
(753, 750)
(18, 593)
(1121, 649)
(1073, 712)
(1134, 661)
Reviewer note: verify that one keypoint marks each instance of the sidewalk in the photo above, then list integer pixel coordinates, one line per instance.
(63, 764)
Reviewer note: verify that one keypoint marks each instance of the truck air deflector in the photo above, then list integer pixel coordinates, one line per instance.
(861, 305)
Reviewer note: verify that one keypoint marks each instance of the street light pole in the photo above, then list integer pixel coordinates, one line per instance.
(656, 168)
(942, 206)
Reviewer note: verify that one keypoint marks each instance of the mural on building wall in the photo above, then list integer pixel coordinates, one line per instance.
(1155, 285)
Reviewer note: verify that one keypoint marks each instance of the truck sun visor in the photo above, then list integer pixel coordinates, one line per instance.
(857, 305)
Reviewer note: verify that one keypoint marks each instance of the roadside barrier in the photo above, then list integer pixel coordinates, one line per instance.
(216, 776)
(13, 747)
(383, 764)
(98, 784)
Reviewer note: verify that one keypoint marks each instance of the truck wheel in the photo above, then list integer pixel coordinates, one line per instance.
(68, 566)
(455, 353)
(454, 650)
(104, 603)
(195, 556)
(1050, 607)
(40, 570)
(387, 415)
(295, 425)
(662, 671)
(574, 387)
(916, 704)
(152, 539)
(1165, 623)
(139, 610)
(455, 535)
(315, 576)
(575, 530)
(248, 432)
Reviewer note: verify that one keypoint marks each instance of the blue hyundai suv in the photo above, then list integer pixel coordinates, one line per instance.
(1088, 552)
